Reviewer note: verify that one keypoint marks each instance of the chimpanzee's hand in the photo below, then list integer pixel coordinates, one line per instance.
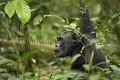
(84, 12)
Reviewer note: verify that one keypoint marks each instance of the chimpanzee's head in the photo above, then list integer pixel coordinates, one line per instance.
(66, 45)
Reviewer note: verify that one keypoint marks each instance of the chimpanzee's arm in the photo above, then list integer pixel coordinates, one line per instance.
(78, 64)
(87, 27)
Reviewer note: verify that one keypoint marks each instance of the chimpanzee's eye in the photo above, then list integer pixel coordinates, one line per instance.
(74, 41)
(59, 39)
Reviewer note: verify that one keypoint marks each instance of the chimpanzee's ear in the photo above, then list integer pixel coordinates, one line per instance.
(74, 36)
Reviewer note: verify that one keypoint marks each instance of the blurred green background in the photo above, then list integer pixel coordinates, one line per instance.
(48, 19)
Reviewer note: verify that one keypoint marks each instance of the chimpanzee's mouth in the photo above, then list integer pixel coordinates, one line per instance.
(58, 54)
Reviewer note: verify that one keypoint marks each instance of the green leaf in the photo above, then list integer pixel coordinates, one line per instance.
(91, 58)
(6, 75)
(23, 11)
(28, 74)
(10, 8)
(60, 77)
(62, 18)
(86, 67)
(94, 77)
(115, 69)
(3, 70)
(11, 78)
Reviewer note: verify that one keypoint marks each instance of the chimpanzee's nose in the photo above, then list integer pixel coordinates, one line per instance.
(56, 50)
(56, 45)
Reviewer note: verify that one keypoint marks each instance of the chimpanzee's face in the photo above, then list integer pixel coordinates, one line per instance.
(66, 43)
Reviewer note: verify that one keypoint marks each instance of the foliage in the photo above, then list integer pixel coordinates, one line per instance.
(92, 73)
(45, 19)
(20, 7)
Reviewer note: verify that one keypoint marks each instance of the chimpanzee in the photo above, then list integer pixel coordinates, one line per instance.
(70, 43)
